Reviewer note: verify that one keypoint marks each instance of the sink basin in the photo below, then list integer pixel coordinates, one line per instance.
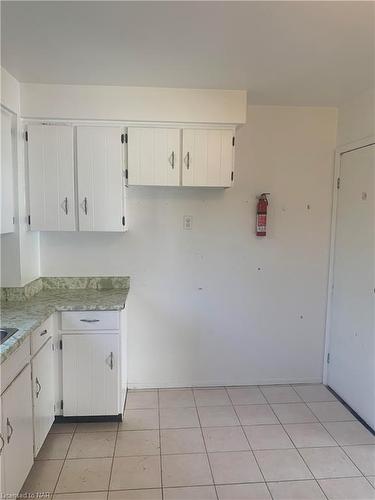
(6, 333)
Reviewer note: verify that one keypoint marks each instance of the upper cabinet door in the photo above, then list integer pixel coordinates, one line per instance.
(207, 157)
(51, 178)
(154, 156)
(101, 178)
(6, 177)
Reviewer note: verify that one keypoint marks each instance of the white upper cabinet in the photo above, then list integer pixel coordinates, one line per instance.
(6, 177)
(208, 156)
(154, 156)
(51, 178)
(101, 178)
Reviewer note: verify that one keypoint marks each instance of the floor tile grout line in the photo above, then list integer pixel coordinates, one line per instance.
(304, 461)
(277, 418)
(205, 447)
(346, 454)
(253, 454)
(113, 459)
(64, 461)
(160, 454)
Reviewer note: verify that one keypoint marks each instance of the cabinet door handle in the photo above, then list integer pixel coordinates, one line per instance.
(66, 205)
(44, 332)
(2, 443)
(187, 160)
(38, 387)
(84, 205)
(111, 360)
(90, 320)
(9, 434)
(171, 159)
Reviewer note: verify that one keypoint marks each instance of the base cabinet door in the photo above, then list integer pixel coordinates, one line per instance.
(91, 374)
(207, 157)
(43, 394)
(17, 432)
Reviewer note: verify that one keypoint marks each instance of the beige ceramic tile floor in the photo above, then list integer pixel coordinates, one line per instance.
(254, 443)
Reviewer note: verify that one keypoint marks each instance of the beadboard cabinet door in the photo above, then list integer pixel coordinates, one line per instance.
(91, 374)
(43, 394)
(207, 157)
(154, 156)
(51, 178)
(101, 178)
(17, 432)
(6, 176)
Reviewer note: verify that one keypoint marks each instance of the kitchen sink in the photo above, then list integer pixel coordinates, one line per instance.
(6, 333)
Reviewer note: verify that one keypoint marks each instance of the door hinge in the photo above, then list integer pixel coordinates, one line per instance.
(233, 140)
(29, 220)
(61, 344)
(61, 405)
(26, 136)
(328, 358)
(338, 182)
(232, 176)
(123, 220)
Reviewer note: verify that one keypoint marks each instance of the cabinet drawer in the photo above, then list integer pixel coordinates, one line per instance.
(90, 320)
(40, 335)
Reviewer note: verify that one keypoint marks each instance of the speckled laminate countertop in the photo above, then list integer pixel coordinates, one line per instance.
(29, 313)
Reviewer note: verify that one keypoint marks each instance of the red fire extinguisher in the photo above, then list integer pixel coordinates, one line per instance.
(261, 220)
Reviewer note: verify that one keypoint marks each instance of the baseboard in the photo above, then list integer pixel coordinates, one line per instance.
(354, 413)
(227, 383)
(59, 419)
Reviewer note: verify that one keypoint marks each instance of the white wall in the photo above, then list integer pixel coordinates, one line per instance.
(9, 91)
(216, 305)
(356, 118)
(133, 103)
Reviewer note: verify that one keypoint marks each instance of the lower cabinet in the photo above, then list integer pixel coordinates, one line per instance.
(91, 374)
(43, 394)
(16, 434)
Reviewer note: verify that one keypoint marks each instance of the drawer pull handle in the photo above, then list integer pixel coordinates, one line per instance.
(90, 320)
(10, 434)
(44, 332)
(38, 387)
(2, 443)
(111, 360)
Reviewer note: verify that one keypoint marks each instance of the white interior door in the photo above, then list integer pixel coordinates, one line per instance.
(51, 178)
(207, 157)
(351, 369)
(101, 178)
(154, 156)
(91, 376)
(6, 177)
(43, 394)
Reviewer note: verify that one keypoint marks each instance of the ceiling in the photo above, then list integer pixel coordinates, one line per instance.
(286, 53)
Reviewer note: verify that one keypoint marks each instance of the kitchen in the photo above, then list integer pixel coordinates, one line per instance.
(163, 348)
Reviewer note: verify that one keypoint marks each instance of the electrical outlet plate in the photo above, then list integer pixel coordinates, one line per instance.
(188, 222)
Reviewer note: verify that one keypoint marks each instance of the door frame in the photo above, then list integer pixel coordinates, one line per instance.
(346, 148)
